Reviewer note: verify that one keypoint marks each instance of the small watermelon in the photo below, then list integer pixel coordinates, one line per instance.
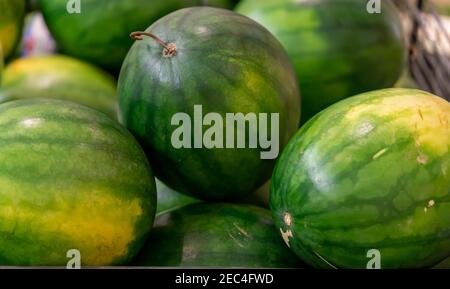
(226, 64)
(368, 180)
(59, 77)
(12, 14)
(70, 178)
(216, 235)
(100, 32)
(338, 48)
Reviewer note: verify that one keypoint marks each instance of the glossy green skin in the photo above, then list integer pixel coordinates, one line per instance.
(11, 23)
(100, 33)
(370, 172)
(236, 67)
(338, 49)
(70, 178)
(59, 77)
(216, 235)
(169, 200)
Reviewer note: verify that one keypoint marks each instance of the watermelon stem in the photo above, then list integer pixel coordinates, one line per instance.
(170, 49)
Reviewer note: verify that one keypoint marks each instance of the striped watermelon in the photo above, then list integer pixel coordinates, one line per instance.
(337, 47)
(100, 33)
(12, 14)
(59, 77)
(369, 173)
(228, 64)
(216, 235)
(70, 178)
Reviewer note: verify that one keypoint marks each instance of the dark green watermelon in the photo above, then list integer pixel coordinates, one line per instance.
(337, 47)
(100, 33)
(368, 173)
(225, 62)
(59, 77)
(12, 15)
(216, 235)
(70, 178)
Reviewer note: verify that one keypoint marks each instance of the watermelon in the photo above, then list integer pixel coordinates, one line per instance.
(70, 178)
(169, 199)
(337, 47)
(59, 77)
(11, 22)
(216, 235)
(225, 64)
(368, 173)
(100, 33)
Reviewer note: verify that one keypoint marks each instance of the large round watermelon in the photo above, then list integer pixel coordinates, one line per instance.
(70, 178)
(100, 32)
(337, 47)
(216, 235)
(224, 64)
(368, 173)
(12, 14)
(59, 77)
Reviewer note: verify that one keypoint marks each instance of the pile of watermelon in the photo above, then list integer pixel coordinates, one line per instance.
(250, 134)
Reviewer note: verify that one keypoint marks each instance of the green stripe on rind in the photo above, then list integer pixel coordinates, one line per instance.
(91, 189)
(370, 172)
(59, 77)
(337, 47)
(225, 62)
(216, 235)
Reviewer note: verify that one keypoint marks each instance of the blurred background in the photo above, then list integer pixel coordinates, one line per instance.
(427, 24)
